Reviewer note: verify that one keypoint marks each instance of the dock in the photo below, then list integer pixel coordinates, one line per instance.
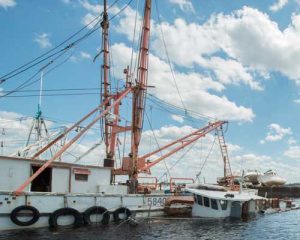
(280, 191)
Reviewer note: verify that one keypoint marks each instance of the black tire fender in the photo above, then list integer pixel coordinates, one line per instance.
(96, 210)
(78, 221)
(124, 210)
(34, 219)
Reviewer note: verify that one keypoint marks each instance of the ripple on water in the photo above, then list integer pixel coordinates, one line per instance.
(273, 226)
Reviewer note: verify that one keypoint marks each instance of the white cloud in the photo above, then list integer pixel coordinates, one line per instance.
(292, 141)
(231, 72)
(66, 1)
(85, 55)
(297, 101)
(276, 133)
(93, 11)
(185, 5)
(262, 163)
(293, 152)
(7, 3)
(177, 118)
(196, 98)
(262, 48)
(80, 57)
(43, 40)
(278, 5)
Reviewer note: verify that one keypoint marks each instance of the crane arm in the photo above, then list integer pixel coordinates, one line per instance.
(185, 141)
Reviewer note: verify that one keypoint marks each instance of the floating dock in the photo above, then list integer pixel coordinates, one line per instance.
(280, 192)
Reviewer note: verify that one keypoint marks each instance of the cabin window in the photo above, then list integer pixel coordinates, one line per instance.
(81, 177)
(42, 183)
(206, 201)
(214, 204)
(223, 204)
(199, 200)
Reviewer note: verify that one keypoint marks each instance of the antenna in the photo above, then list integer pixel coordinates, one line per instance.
(38, 125)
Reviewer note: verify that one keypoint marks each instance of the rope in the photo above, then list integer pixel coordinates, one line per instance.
(205, 160)
(157, 143)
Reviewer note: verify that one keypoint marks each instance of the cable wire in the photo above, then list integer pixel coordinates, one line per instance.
(168, 58)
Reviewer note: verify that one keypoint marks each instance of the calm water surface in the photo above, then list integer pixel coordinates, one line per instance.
(274, 226)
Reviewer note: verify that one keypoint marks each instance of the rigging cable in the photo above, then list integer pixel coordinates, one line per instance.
(205, 160)
(20, 69)
(179, 159)
(168, 58)
(157, 143)
(28, 83)
(134, 33)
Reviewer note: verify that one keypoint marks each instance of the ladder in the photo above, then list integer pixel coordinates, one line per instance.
(224, 153)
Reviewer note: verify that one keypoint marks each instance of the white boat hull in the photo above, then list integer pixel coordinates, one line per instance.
(141, 206)
(272, 180)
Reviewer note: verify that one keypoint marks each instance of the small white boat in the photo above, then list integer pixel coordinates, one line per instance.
(252, 176)
(271, 178)
(220, 203)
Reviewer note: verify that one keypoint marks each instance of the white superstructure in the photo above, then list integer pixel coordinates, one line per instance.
(222, 203)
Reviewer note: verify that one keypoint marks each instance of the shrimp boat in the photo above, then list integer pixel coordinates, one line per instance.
(37, 192)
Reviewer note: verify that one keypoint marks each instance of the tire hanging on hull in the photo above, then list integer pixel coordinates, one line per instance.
(53, 219)
(96, 210)
(35, 215)
(117, 213)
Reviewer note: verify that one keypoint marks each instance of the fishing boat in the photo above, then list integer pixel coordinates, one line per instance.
(41, 192)
(271, 178)
(218, 202)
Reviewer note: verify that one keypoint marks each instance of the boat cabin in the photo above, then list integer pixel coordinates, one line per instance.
(60, 177)
(221, 204)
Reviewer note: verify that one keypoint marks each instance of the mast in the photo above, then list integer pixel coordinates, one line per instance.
(138, 99)
(38, 124)
(109, 160)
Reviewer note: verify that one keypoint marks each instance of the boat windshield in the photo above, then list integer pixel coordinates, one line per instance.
(270, 172)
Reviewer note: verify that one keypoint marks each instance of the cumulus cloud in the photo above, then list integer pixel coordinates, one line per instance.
(263, 163)
(197, 98)
(7, 3)
(85, 55)
(297, 101)
(276, 133)
(292, 141)
(262, 48)
(278, 5)
(293, 152)
(177, 118)
(43, 40)
(185, 5)
(80, 57)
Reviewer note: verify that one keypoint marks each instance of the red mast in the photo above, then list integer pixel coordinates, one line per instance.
(138, 99)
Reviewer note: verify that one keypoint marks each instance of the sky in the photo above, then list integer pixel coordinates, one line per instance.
(224, 60)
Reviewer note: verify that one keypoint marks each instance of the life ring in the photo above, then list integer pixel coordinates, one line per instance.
(117, 212)
(96, 210)
(78, 221)
(35, 215)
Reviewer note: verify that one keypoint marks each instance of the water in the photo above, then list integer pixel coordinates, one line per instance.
(273, 226)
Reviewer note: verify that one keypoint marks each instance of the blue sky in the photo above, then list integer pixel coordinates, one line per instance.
(233, 60)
